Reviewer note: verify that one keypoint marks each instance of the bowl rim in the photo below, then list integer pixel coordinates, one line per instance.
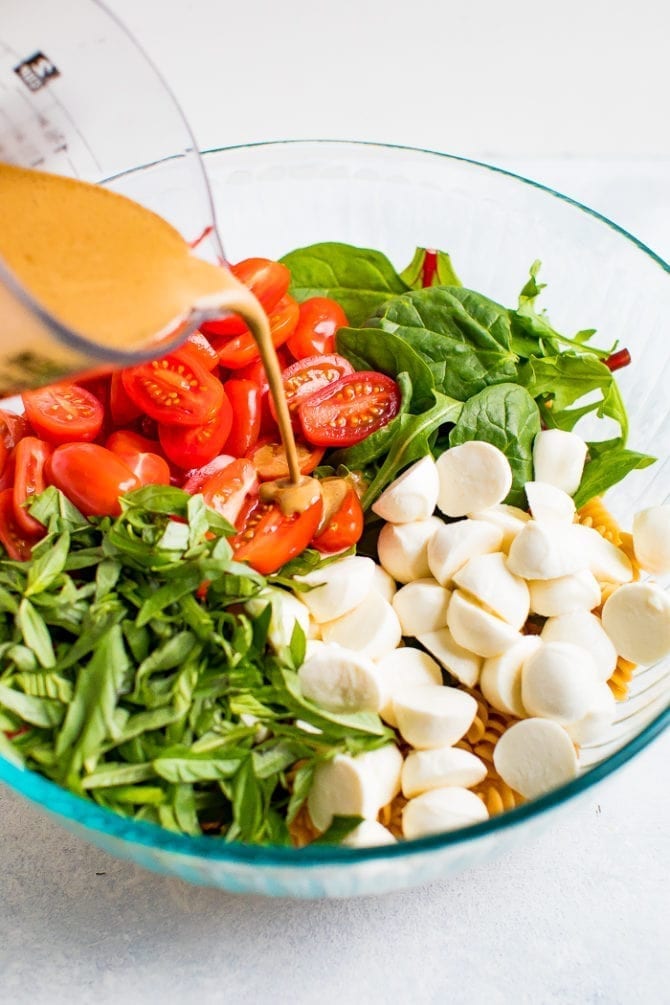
(88, 815)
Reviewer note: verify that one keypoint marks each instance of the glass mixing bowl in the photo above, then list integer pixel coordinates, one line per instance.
(271, 198)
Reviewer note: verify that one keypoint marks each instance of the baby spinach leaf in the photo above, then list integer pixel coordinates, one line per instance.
(359, 279)
(608, 464)
(507, 417)
(372, 349)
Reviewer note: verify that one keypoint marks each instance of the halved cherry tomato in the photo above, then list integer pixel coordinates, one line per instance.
(308, 375)
(188, 446)
(8, 471)
(174, 389)
(269, 538)
(256, 371)
(268, 281)
(245, 400)
(13, 428)
(63, 413)
(269, 459)
(92, 477)
(16, 542)
(236, 352)
(350, 409)
(344, 527)
(29, 480)
(141, 455)
(195, 478)
(199, 348)
(320, 318)
(226, 491)
(122, 408)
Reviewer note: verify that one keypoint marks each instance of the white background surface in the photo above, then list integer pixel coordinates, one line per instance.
(573, 95)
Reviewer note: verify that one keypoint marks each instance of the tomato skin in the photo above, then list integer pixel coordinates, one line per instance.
(303, 378)
(174, 389)
(17, 543)
(320, 318)
(199, 348)
(141, 455)
(63, 413)
(269, 538)
(122, 408)
(92, 477)
(245, 400)
(195, 478)
(268, 281)
(187, 446)
(13, 428)
(8, 471)
(345, 412)
(344, 527)
(29, 480)
(226, 491)
(269, 459)
(237, 352)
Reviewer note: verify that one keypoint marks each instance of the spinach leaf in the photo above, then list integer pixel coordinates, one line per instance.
(507, 417)
(444, 274)
(359, 279)
(608, 464)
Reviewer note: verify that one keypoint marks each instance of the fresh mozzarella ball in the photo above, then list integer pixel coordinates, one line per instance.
(403, 548)
(462, 664)
(421, 606)
(372, 629)
(545, 551)
(286, 612)
(475, 629)
(412, 496)
(585, 630)
(368, 834)
(337, 588)
(559, 458)
(383, 584)
(434, 769)
(535, 756)
(402, 669)
(651, 539)
(354, 786)
(454, 544)
(552, 597)
(598, 720)
(341, 680)
(433, 716)
(548, 504)
(608, 563)
(500, 679)
(558, 682)
(488, 579)
(637, 619)
(442, 810)
(508, 519)
(473, 476)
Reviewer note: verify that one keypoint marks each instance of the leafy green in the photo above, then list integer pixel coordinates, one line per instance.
(367, 349)
(608, 464)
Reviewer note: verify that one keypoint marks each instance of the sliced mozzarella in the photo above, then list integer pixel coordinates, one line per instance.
(412, 496)
(545, 551)
(558, 682)
(637, 619)
(368, 834)
(354, 786)
(286, 612)
(402, 669)
(434, 769)
(454, 544)
(598, 720)
(371, 629)
(433, 716)
(500, 679)
(549, 504)
(440, 810)
(608, 563)
(475, 629)
(421, 606)
(488, 579)
(403, 548)
(472, 476)
(461, 663)
(338, 587)
(558, 459)
(535, 756)
(577, 592)
(383, 584)
(585, 630)
(341, 680)
(651, 539)
(508, 519)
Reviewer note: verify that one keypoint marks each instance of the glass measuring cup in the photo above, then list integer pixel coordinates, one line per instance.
(79, 97)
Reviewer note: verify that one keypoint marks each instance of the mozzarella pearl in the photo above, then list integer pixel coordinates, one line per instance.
(488, 579)
(558, 459)
(412, 496)
(454, 544)
(475, 629)
(549, 504)
(585, 630)
(500, 679)
(461, 663)
(553, 597)
(441, 810)
(404, 669)
(341, 680)
(472, 476)
(535, 756)
(337, 588)
(637, 619)
(403, 548)
(372, 629)
(651, 539)
(421, 606)
(434, 769)
(558, 682)
(433, 716)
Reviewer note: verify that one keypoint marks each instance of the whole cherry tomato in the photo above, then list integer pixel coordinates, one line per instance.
(191, 446)
(245, 401)
(303, 378)
(29, 481)
(240, 350)
(141, 455)
(174, 389)
(270, 538)
(344, 526)
(63, 413)
(320, 318)
(348, 410)
(92, 477)
(268, 281)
